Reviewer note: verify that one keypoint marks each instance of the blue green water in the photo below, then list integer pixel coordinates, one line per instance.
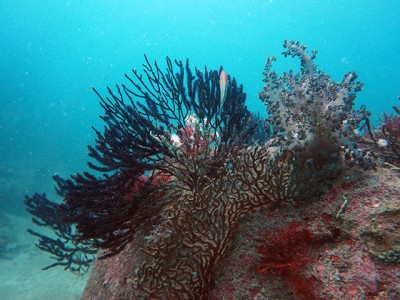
(53, 52)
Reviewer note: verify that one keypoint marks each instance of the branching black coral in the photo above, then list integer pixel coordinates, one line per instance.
(156, 121)
(142, 116)
(63, 248)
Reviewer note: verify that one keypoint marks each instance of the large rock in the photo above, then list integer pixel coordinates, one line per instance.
(347, 246)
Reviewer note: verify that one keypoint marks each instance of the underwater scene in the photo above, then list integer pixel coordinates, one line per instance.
(191, 149)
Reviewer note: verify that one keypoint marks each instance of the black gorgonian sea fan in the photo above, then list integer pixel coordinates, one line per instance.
(157, 118)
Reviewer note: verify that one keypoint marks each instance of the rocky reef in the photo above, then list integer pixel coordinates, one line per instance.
(195, 197)
(342, 246)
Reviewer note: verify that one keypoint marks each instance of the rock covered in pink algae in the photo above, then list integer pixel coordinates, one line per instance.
(354, 253)
(112, 277)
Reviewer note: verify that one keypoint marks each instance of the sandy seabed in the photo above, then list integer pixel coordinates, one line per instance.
(21, 263)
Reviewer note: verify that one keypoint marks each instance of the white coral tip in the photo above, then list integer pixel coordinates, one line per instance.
(382, 143)
(176, 141)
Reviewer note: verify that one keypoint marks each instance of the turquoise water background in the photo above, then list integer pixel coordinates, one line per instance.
(53, 52)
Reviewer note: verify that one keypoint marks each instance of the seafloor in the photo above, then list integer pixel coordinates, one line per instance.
(21, 263)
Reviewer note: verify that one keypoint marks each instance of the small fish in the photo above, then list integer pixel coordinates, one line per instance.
(223, 86)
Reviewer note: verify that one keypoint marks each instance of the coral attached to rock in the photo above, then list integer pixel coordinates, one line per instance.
(182, 163)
